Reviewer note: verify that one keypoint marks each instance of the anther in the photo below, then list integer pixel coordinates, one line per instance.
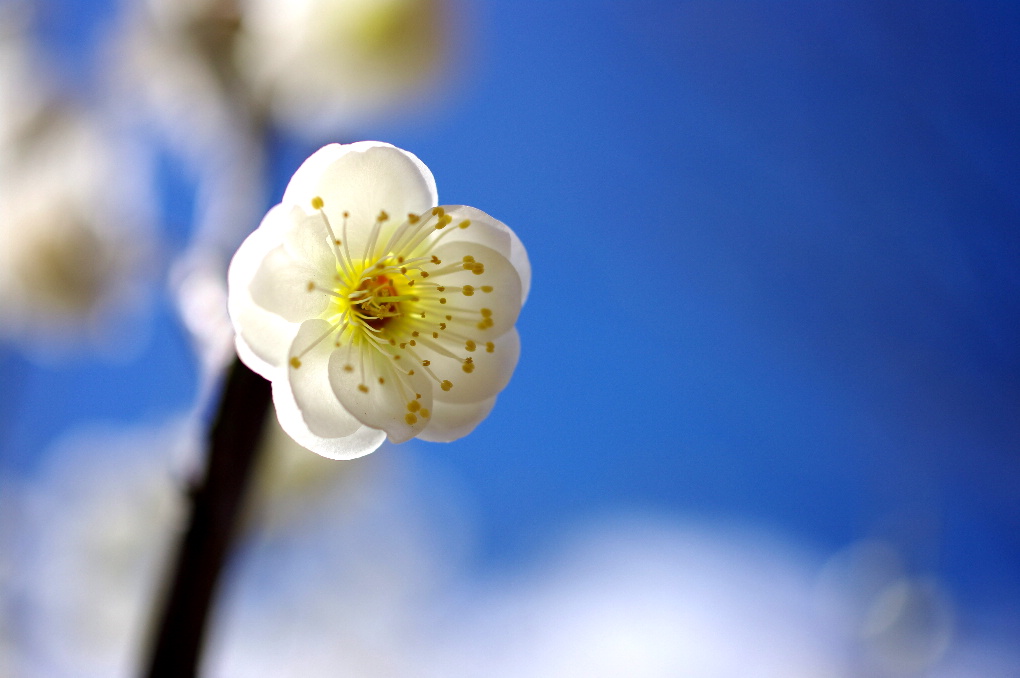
(446, 385)
(489, 347)
(295, 363)
(317, 203)
(362, 388)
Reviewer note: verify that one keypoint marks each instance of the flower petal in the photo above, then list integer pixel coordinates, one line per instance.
(288, 288)
(262, 337)
(307, 241)
(451, 421)
(491, 298)
(363, 441)
(492, 365)
(363, 180)
(490, 232)
(309, 382)
(376, 390)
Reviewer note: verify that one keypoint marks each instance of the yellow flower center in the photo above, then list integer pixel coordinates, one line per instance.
(389, 299)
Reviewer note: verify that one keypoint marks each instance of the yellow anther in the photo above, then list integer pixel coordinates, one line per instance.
(468, 290)
(438, 211)
(424, 274)
(295, 363)
(415, 333)
(470, 345)
(468, 259)
(317, 203)
(486, 288)
(311, 286)
(425, 414)
(442, 326)
(489, 347)
(346, 214)
(440, 288)
(363, 388)
(435, 335)
(410, 373)
(348, 368)
(383, 216)
(436, 260)
(442, 300)
(465, 223)
(381, 381)
(426, 363)
(414, 406)
(468, 367)
(410, 419)
(413, 342)
(486, 312)
(412, 218)
(449, 317)
(478, 269)
(446, 385)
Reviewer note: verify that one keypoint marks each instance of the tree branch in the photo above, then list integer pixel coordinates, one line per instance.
(216, 502)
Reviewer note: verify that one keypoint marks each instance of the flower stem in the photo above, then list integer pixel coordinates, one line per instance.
(216, 501)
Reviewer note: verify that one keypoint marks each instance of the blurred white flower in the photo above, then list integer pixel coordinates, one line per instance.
(72, 246)
(373, 311)
(97, 528)
(321, 65)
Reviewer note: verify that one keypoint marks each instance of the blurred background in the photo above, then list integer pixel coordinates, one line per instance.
(766, 420)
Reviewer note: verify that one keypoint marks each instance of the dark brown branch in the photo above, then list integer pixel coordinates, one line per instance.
(216, 502)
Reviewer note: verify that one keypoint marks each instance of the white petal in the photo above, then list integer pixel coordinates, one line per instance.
(376, 390)
(289, 288)
(358, 444)
(502, 302)
(363, 179)
(490, 375)
(451, 421)
(263, 338)
(492, 233)
(307, 241)
(309, 382)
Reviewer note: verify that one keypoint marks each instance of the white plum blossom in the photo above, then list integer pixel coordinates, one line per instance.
(316, 64)
(374, 311)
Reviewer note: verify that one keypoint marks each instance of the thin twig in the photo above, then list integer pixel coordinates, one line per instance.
(216, 502)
